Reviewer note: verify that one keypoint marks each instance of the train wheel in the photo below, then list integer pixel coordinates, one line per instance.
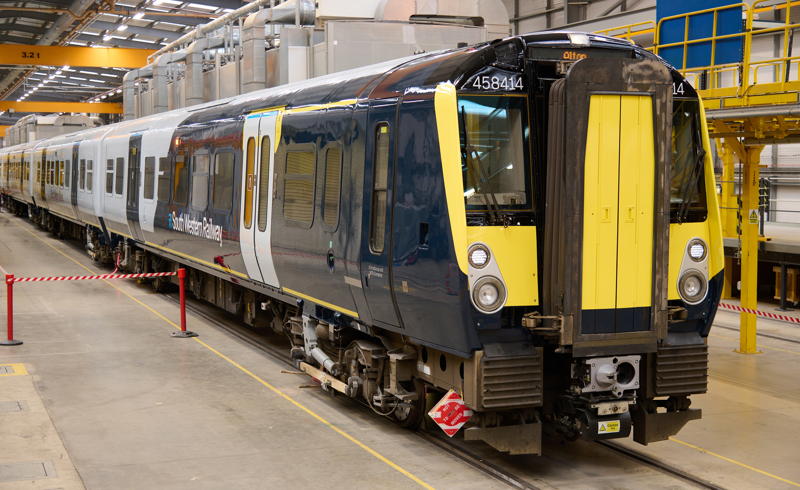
(408, 415)
(159, 284)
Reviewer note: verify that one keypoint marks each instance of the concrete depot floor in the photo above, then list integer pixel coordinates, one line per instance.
(114, 402)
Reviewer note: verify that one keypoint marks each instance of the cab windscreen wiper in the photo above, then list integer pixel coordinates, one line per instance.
(694, 176)
(479, 178)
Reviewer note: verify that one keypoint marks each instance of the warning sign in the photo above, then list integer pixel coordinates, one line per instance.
(608, 427)
(754, 216)
(451, 413)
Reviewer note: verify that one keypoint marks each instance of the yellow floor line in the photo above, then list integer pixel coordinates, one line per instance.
(736, 462)
(758, 345)
(277, 391)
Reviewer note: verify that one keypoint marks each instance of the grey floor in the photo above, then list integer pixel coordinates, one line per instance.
(106, 399)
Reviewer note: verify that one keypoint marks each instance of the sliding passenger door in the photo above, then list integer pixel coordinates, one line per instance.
(251, 154)
(73, 181)
(132, 203)
(262, 207)
(376, 248)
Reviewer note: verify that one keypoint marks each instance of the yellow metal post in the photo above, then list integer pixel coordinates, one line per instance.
(728, 196)
(747, 321)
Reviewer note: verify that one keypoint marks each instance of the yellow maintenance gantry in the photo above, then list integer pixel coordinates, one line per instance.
(749, 104)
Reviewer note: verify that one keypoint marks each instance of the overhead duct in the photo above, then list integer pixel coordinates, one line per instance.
(294, 11)
(491, 14)
(254, 68)
(194, 68)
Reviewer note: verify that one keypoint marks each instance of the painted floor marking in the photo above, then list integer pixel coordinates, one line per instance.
(19, 370)
(277, 391)
(735, 462)
(757, 345)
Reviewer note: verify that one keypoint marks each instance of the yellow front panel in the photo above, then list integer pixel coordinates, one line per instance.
(636, 197)
(514, 249)
(600, 211)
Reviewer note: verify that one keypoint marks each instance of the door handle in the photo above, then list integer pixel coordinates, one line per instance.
(606, 217)
(331, 261)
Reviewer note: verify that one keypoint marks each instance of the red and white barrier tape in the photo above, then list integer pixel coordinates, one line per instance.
(772, 316)
(104, 276)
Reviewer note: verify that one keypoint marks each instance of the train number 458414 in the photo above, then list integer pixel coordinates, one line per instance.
(497, 83)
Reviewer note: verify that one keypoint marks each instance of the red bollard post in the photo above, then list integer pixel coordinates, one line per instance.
(183, 333)
(10, 292)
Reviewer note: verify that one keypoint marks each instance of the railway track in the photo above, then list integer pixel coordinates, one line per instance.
(264, 344)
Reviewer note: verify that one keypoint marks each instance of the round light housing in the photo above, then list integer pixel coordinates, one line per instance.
(488, 294)
(692, 287)
(479, 256)
(697, 250)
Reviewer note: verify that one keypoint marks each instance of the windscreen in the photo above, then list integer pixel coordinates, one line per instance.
(687, 187)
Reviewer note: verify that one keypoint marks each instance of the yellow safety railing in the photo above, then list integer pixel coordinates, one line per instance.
(773, 80)
(628, 32)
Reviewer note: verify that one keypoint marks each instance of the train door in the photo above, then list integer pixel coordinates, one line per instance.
(376, 249)
(73, 181)
(132, 203)
(247, 236)
(43, 175)
(257, 186)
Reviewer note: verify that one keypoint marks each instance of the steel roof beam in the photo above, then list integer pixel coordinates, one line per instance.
(118, 42)
(8, 27)
(73, 55)
(143, 31)
(13, 14)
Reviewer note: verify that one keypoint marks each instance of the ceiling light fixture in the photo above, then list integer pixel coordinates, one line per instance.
(138, 15)
(65, 67)
(122, 27)
(106, 38)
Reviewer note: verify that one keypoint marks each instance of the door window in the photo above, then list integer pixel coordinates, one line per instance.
(82, 177)
(89, 176)
(333, 174)
(263, 186)
(119, 176)
(163, 179)
(181, 193)
(248, 192)
(380, 178)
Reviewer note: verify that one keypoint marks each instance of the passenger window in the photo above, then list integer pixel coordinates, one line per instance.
(248, 190)
(181, 193)
(61, 174)
(120, 176)
(67, 175)
(263, 186)
(82, 177)
(330, 201)
(109, 176)
(298, 187)
(222, 194)
(200, 181)
(163, 179)
(380, 177)
(89, 176)
(149, 177)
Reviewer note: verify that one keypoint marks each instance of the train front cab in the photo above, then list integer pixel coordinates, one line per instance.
(631, 254)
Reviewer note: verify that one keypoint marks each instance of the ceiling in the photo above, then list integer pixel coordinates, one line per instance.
(150, 24)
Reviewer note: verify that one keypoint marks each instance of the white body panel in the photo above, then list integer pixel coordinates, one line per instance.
(263, 239)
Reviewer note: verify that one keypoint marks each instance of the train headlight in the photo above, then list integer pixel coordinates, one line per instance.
(479, 256)
(697, 250)
(692, 287)
(489, 294)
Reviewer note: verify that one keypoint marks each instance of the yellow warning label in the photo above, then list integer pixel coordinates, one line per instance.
(608, 427)
(753, 217)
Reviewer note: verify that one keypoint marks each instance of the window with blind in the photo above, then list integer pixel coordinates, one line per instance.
(163, 179)
(89, 176)
(380, 178)
(82, 176)
(222, 192)
(298, 186)
(109, 176)
(263, 186)
(181, 192)
(119, 176)
(333, 179)
(149, 177)
(200, 181)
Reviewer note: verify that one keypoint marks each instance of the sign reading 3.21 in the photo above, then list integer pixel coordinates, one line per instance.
(30, 54)
(487, 82)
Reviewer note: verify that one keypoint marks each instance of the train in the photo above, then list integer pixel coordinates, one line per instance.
(528, 225)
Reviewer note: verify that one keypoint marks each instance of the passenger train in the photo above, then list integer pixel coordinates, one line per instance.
(530, 222)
